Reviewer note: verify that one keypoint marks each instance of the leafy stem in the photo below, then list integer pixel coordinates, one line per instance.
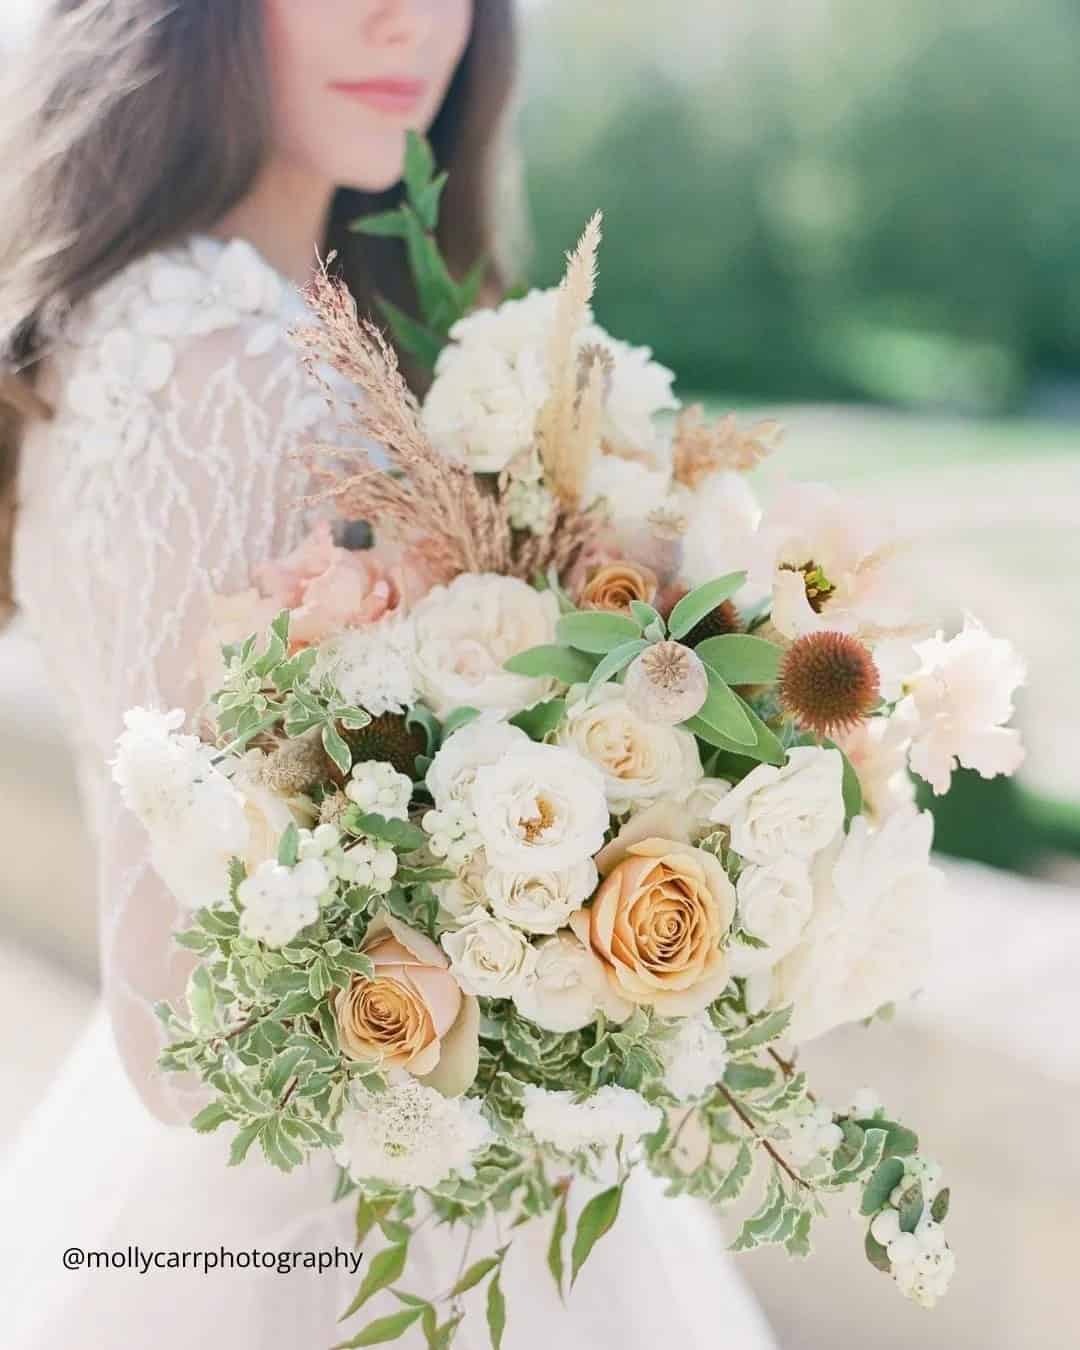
(762, 1141)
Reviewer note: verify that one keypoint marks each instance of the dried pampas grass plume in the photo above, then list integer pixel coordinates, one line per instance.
(700, 448)
(568, 425)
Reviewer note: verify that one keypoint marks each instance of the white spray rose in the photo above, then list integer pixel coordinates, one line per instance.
(488, 958)
(467, 630)
(641, 761)
(541, 902)
(775, 902)
(794, 809)
(567, 988)
(453, 770)
(464, 897)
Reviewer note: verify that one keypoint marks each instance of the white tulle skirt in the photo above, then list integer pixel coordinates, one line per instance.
(94, 1171)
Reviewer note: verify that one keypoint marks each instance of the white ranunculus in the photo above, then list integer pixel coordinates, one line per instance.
(868, 940)
(567, 988)
(794, 809)
(488, 957)
(641, 761)
(467, 630)
(541, 902)
(453, 770)
(775, 901)
(541, 808)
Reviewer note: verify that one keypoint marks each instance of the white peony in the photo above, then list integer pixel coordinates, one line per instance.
(775, 902)
(195, 817)
(279, 902)
(567, 988)
(453, 770)
(410, 1135)
(541, 808)
(492, 380)
(467, 630)
(372, 667)
(600, 1121)
(868, 940)
(957, 704)
(541, 902)
(488, 958)
(797, 808)
(694, 1058)
(641, 761)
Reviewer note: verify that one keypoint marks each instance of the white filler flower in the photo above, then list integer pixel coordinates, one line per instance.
(373, 667)
(410, 1135)
(600, 1121)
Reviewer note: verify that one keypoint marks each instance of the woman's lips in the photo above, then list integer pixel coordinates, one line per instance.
(388, 96)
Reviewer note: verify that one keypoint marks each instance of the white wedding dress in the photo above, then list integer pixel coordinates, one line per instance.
(168, 472)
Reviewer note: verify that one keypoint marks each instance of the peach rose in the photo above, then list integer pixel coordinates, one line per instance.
(614, 586)
(412, 1015)
(656, 926)
(329, 588)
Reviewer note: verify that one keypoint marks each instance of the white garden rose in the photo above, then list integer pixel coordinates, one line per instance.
(541, 902)
(775, 901)
(453, 770)
(467, 630)
(868, 941)
(797, 808)
(567, 988)
(541, 808)
(464, 897)
(641, 761)
(488, 957)
(700, 803)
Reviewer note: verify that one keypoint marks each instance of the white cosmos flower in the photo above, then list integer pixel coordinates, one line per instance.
(567, 987)
(541, 808)
(466, 631)
(775, 901)
(641, 761)
(488, 957)
(796, 808)
(957, 704)
(868, 940)
(600, 1121)
(541, 902)
(452, 773)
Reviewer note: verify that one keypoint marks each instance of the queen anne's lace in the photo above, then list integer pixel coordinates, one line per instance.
(168, 474)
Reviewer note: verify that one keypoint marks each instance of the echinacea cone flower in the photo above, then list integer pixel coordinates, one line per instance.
(828, 682)
(389, 738)
(719, 622)
(667, 683)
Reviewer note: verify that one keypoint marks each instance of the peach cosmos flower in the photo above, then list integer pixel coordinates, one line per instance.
(412, 1014)
(656, 926)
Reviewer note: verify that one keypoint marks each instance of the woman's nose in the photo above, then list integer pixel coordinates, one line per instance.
(399, 23)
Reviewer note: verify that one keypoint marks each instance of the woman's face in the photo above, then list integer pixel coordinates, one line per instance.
(350, 77)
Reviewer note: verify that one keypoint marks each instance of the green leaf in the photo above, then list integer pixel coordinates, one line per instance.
(877, 1255)
(289, 846)
(382, 225)
(410, 334)
(852, 788)
(871, 1153)
(541, 719)
(747, 1077)
(478, 1271)
(419, 164)
(383, 1329)
(615, 661)
(761, 1032)
(201, 1001)
(282, 1069)
(798, 1244)
(405, 837)
(458, 718)
(564, 664)
(740, 659)
(692, 608)
(384, 1269)
(471, 283)
(900, 1142)
(368, 1214)
(736, 1178)
(885, 1177)
(595, 631)
(939, 1210)
(210, 1118)
(911, 1206)
(761, 1225)
(242, 1142)
(496, 1313)
(426, 201)
(725, 712)
(646, 615)
(336, 747)
(555, 1246)
(595, 1220)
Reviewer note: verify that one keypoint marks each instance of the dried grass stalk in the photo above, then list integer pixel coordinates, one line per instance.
(700, 448)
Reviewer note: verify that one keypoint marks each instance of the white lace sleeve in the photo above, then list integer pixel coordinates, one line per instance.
(168, 474)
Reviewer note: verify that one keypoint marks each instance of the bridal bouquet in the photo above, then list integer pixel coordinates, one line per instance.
(524, 847)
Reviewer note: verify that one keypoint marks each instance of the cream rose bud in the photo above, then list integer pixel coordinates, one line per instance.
(540, 809)
(775, 902)
(466, 631)
(641, 761)
(411, 1014)
(465, 896)
(567, 987)
(656, 926)
(797, 809)
(489, 958)
(452, 773)
(540, 902)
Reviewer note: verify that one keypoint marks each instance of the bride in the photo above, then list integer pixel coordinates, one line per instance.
(176, 166)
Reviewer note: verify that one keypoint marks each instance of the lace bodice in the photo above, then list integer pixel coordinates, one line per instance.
(167, 474)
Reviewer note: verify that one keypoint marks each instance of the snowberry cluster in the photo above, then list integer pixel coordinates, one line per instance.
(811, 1133)
(922, 1262)
(377, 786)
(279, 901)
(454, 833)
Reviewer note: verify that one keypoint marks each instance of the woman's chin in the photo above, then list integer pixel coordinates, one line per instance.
(376, 165)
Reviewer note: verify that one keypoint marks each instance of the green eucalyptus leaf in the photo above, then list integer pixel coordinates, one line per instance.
(885, 1177)
(541, 719)
(595, 1220)
(702, 600)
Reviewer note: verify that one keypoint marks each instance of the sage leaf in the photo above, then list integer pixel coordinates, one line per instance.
(692, 608)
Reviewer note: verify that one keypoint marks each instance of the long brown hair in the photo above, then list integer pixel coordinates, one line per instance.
(130, 124)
